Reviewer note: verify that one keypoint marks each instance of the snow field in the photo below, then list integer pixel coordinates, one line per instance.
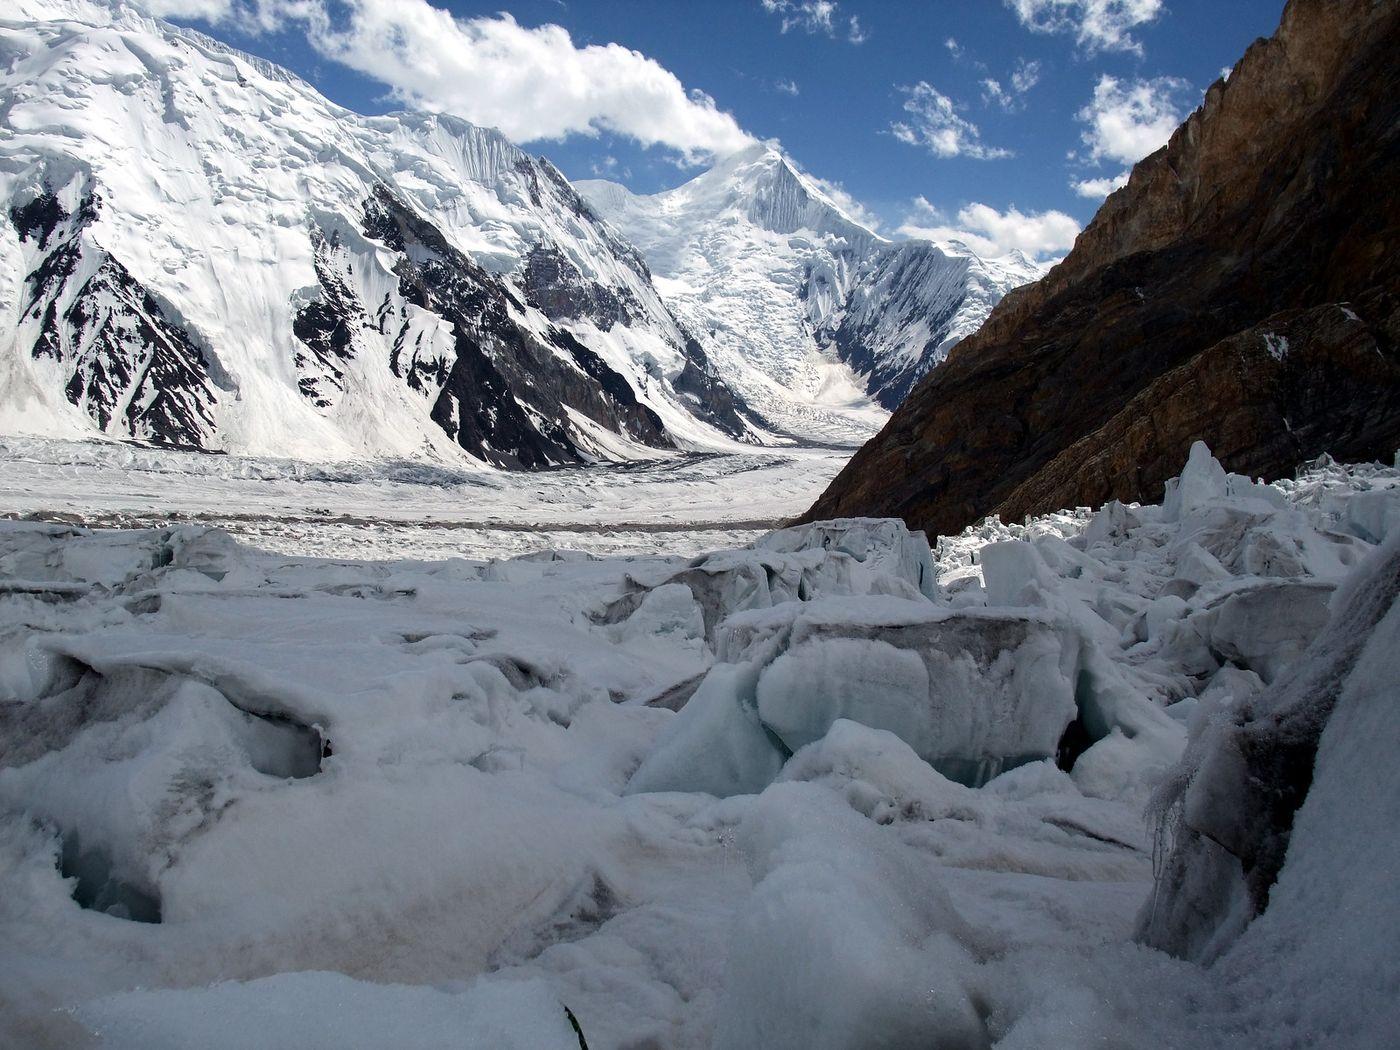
(902, 801)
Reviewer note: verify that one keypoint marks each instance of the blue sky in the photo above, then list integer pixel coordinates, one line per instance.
(869, 95)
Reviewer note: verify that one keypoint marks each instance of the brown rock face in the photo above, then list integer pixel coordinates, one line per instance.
(1243, 288)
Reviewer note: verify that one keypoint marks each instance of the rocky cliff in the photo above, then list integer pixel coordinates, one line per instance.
(1244, 288)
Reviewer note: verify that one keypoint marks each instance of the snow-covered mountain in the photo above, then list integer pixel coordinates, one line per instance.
(202, 250)
(819, 322)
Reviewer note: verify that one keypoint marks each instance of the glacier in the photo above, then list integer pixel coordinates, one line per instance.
(936, 791)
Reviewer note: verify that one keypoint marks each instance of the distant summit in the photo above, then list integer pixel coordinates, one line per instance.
(812, 316)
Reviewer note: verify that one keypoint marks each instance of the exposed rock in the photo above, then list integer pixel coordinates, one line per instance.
(126, 362)
(1240, 289)
(557, 287)
(507, 394)
(710, 398)
(326, 325)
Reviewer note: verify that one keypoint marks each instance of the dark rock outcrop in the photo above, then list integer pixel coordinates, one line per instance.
(560, 291)
(1242, 288)
(126, 361)
(710, 397)
(326, 327)
(505, 393)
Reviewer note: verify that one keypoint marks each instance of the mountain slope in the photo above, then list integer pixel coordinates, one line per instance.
(817, 320)
(1241, 288)
(201, 250)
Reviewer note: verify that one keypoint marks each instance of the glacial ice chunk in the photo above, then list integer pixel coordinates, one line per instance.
(845, 941)
(1265, 627)
(879, 545)
(993, 687)
(1373, 515)
(716, 743)
(1202, 481)
(809, 687)
(1014, 572)
(670, 613)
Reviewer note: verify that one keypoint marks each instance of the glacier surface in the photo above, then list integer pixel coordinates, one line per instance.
(868, 791)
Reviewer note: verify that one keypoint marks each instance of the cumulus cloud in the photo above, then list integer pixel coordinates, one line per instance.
(1124, 122)
(531, 83)
(1127, 121)
(787, 87)
(847, 203)
(816, 16)
(1097, 189)
(1097, 25)
(1024, 77)
(992, 233)
(934, 123)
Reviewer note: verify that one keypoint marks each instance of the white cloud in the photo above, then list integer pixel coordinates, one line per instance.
(816, 16)
(1097, 25)
(531, 83)
(1100, 188)
(191, 10)
(1024, 77)
(1127, 121)
(994, 94)
(991, 233)
(934, 123)
(843, 200)
(787, 87)
(954, 48)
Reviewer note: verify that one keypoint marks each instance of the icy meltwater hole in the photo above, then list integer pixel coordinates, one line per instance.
(825, 789)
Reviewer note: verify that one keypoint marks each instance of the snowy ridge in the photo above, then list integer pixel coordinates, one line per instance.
(236, 202)
(818, 321)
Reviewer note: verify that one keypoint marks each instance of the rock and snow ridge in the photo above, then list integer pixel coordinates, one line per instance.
(247, 799)
(808, 313)
(197, 249)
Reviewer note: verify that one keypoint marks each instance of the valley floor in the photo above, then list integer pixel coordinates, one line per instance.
(680, 505)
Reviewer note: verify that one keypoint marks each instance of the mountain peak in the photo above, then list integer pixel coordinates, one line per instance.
(309, 269)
